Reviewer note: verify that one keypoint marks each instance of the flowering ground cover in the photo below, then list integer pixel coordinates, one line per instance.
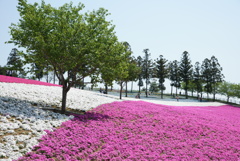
(9, 79)
(137, 130)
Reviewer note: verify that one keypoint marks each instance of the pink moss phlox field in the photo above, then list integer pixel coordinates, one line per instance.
(137, 130)
(8, 79)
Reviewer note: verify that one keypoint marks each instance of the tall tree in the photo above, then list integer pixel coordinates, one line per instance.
(64, 38)
(216, 73)
(185, 70)
(140, 75)
(206, 76)
(171, 75)
(162, 72)
(174, 74)
(147, 69)
(197, 78)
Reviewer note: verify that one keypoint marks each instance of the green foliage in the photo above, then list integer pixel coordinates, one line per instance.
(161, 72)
(70, 41)
(15, 64)
(228, 89)
(154, 87)
(174, 74)
(185, 70)
(197, 78)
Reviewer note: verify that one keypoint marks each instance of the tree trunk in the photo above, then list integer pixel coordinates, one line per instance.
(214, 93)
(64, 98)
(121, 87)
(106, 89)
(126, 90)
(54, 77)
(146, 91)
(171, 90)
(186, 90)
(132, 87)
(161, 94)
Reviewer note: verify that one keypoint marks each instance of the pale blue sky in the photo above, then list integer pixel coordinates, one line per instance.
(167, 27)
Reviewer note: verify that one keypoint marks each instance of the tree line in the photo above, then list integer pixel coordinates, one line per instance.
(205, 77)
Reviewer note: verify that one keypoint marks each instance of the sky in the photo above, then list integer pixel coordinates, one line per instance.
(166, 27)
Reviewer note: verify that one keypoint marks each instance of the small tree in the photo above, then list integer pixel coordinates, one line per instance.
(15, 64)
(154, 87)
(227, 89)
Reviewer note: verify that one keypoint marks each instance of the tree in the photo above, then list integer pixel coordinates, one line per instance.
(206, 76)
(15, 64)
(122, 72)
(147, 71)
(3, 70)
(174, 74)
(161, 72)
(171, 75)
(216, 73)
(227, 89)
(133, 71)
(140, 75)
(197, 78)
(185, 70)
(154, 87)
(63, 38)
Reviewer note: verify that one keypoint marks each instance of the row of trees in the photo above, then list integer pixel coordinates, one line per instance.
(198, 78)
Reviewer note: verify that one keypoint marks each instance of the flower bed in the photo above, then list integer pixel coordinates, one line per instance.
(9, 79)
(136, 130)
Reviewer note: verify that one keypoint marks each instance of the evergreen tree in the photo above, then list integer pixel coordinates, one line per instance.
(161, 72)
(3, 70)
(15, 64)
(206, 76)
(140, 75)
(175, 75)
(197, 78)
(171, 75)
(216, 73)
(185, 71)
(147, 69)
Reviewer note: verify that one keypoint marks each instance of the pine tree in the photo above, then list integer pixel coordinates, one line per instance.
(147, 69)
(197, 78)
(206, 76)
(15, 64)
(216, 73)
(140, 75)
(185, 70)
(174, 74)
(162, 72)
